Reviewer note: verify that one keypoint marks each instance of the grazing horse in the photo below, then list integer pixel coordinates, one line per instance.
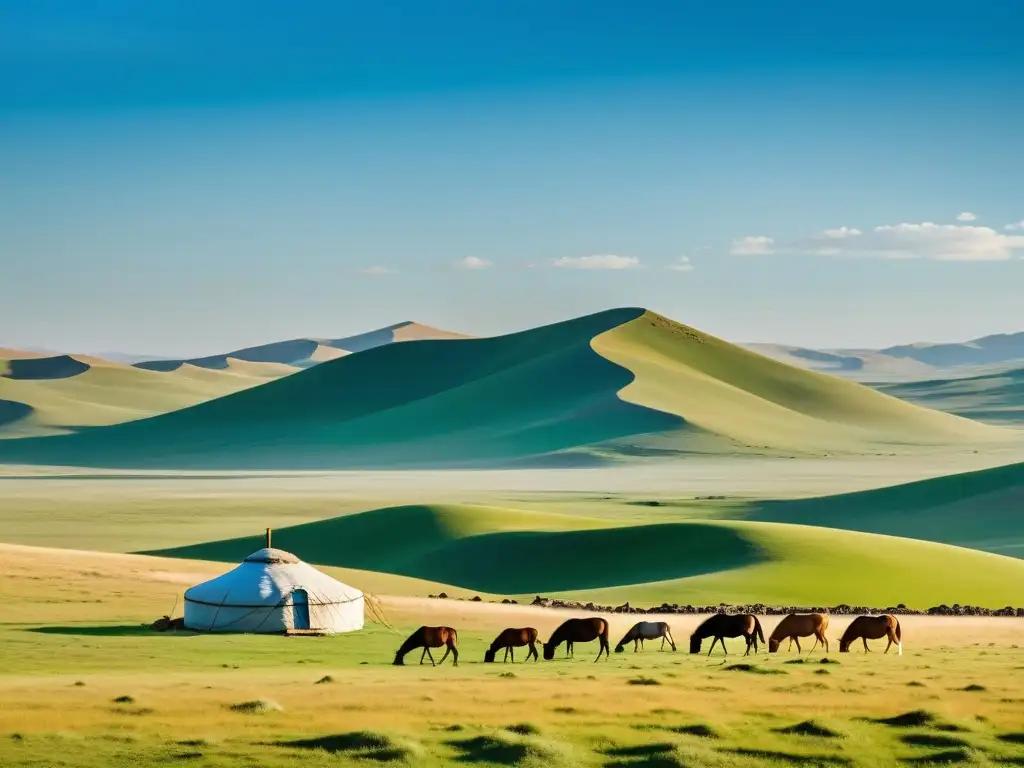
(798, 625)
(722, 625)
(578, 631)
(647, 630)
(873, 628)
(427, 638)
(514, 638)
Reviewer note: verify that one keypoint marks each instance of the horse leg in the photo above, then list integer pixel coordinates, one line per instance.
(798, 649)
(715, 640)
(864, 640)
(447, 651)
(603, 649)
(431, 657)
(662, 643)
(824, 640)
(505, 660)
(815, 643)
(513, 652)
(533, 652)
(747, 638)
(424, 654)
(892, 640)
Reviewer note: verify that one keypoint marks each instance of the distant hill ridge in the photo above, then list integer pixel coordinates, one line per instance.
(620, 383)
(904, 362)
(306, 352)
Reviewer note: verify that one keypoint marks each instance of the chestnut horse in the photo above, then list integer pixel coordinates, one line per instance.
(647, 630)
(867, 628)
(798, 625)
(578, 631)
(722, 625)
(427, 638)
(514, 638)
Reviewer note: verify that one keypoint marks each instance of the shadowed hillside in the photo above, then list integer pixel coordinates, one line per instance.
(519, 553)
(982, 510)
(613, 380)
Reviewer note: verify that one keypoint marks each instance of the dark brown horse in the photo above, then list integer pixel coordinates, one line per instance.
(514, 638)
(866, 628)
(427, 638)
(647, 630)
(578, 631)
(723, 625)
(798, 625)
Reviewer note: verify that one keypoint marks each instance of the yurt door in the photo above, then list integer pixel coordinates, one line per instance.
(300, 609)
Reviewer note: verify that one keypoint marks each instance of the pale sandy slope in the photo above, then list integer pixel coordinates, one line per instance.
(728, 391)
(73, 392)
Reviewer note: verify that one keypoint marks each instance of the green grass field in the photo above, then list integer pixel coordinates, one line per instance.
(82, 683)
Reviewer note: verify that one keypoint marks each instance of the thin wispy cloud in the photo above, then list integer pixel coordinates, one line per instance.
(377, 271)
(682, 265)
(473, 262)
(966, 216)
(924, 240)
(598, 261)
(753, 245)
(1017, 226)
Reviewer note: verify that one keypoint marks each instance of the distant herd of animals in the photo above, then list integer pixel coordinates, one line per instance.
(718, 627)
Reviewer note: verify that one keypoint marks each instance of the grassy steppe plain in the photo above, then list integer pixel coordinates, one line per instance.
(81, 684)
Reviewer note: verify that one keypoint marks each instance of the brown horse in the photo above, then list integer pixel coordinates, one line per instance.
(647, 630)
(721, 626)
(867, 628)
(798, 625)
(578, 631)
(514, 638)
(427, 638)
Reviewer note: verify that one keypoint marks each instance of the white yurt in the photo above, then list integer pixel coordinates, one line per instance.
(272, 591)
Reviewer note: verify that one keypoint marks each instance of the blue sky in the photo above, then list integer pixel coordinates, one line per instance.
(182, 178)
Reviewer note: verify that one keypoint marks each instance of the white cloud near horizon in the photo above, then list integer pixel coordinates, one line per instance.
(682, 265)
(597, 261)
(473, 262)
(966, 216)
(925, 240)
(1015, 227)
(753, 245)
(376, 271)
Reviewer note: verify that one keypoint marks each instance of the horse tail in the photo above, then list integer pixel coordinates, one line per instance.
(757, 628)
(899, 638)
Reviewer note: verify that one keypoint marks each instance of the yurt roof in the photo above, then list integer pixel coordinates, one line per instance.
(271, 555)
(265, 577)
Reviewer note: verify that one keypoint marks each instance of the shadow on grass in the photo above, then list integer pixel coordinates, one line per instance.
(792, 758)
(108, 630)
(365, 745)
(949, 757)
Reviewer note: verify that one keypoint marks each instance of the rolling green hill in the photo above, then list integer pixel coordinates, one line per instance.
(521, 553)
(981, 510)
(616, 382)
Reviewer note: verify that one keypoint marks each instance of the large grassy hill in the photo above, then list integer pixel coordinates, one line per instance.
(623, 381)
(520, 553)
(982, 510)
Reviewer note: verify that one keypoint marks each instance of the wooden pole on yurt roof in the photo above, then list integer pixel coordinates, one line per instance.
(268, 538)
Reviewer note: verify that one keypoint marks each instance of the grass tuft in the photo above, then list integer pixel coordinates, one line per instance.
(810, 728)
(697, 729)
(124, 700)
(754, 669)
(325, 679)
(256, 707)
(642, 680)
